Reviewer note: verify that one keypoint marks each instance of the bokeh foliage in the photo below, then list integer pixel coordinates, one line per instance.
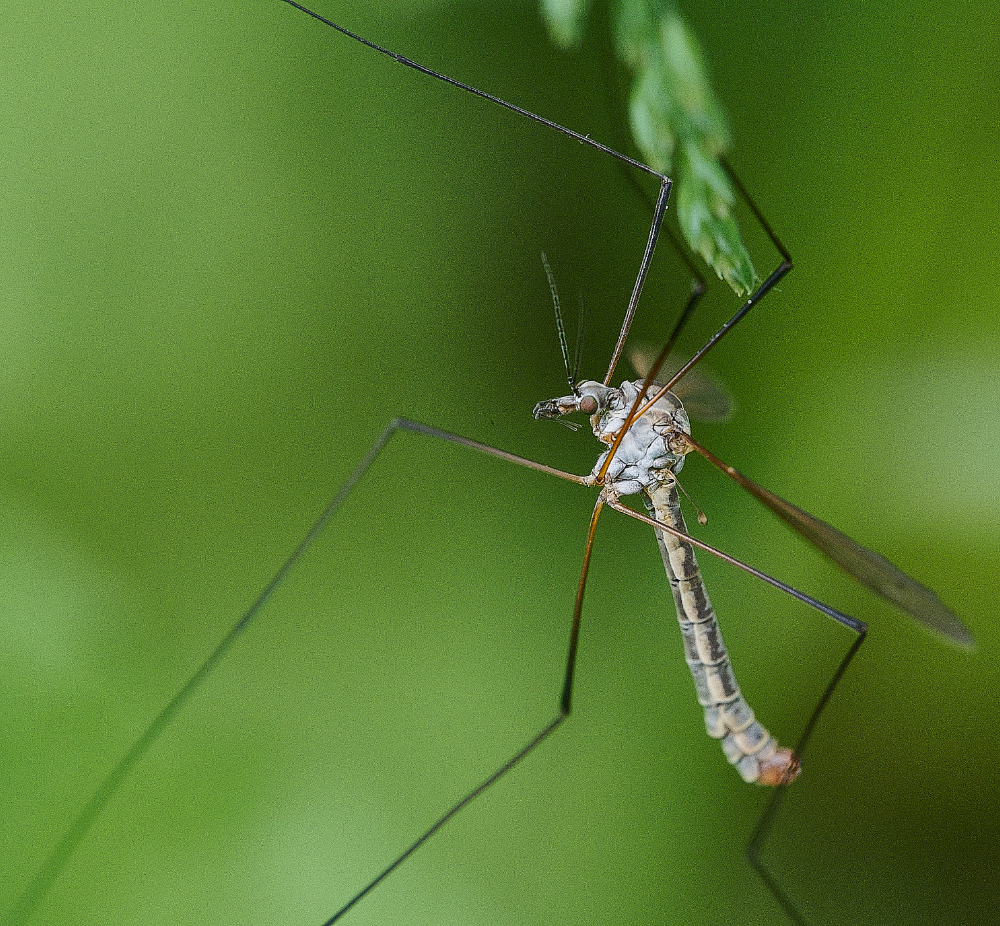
(236, 244)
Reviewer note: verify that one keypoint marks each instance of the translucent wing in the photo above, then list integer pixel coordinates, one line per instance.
(704, 396)
(871, 569)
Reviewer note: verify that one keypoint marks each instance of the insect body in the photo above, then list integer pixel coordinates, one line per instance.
(647, 459)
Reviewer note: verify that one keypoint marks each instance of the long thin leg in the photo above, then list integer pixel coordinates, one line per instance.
(766, 821)
(565, 701)
(784, 266)
(46, 875)
(57, 860)
(764, 825)
(659, 210)
(852, 623)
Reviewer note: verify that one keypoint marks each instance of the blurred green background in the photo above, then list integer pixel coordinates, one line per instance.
(235, 244)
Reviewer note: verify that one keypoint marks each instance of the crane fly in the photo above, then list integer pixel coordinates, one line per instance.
(646, 431)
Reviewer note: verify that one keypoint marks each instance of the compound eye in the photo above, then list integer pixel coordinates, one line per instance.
(588, 405)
